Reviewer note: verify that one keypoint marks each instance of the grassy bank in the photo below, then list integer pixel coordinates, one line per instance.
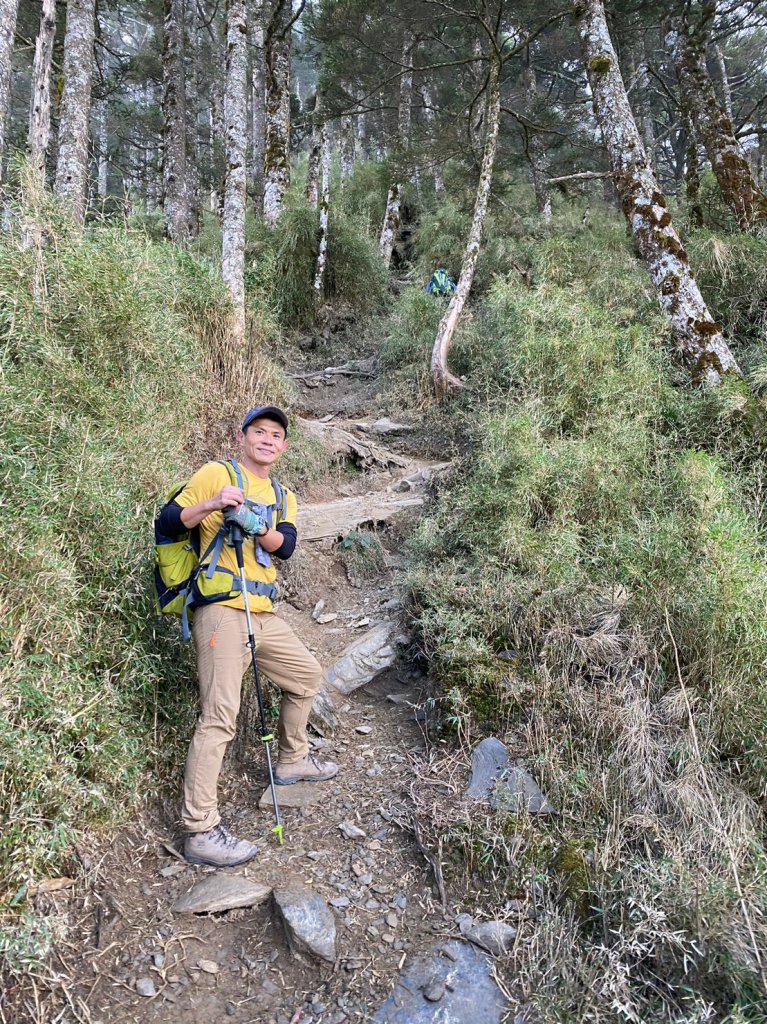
(591, 586)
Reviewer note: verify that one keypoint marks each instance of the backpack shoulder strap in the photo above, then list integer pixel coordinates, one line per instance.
(235, 474)
(281, 500)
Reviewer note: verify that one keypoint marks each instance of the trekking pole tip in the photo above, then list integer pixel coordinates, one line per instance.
(278, 830)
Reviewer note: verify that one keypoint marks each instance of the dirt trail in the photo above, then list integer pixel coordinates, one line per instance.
(352, 845)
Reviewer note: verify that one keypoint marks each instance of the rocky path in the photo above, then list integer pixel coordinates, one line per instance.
(344, 922)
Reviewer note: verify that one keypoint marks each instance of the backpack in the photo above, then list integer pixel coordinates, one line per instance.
(440, 284)
(184, 579)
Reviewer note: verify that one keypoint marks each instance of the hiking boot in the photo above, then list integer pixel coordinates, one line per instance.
(218, 847)
(307, 770)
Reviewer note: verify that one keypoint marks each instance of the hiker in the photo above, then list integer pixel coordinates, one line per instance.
(440, 284)
(220, 631)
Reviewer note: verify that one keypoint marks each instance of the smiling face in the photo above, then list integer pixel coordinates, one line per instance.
(262, 444)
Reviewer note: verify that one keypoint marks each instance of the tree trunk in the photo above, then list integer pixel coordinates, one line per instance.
(235, 120)
(394, 196)
(692, 173)
(443, 380)
(102, 177)
(72, 168)
(726, 90)
(257, 104)
(362, 133)
(322, 257)
(430, 116)
(8, 12)
(175, 185)
(714, 128)
(40, 99)
(698, 340)
(536, 149)
(277, 39)
(347, 147)
(315, 150)
(191, 102)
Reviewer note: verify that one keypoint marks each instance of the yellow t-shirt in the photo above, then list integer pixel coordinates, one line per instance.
(206, 483)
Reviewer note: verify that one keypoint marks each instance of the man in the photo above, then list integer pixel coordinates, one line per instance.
(220, 638)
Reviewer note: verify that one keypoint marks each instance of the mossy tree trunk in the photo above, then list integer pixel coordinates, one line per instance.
(277, 40)
(692, 172)
(235, 121)
(71, 183)
(444, 381)
(40, 98)
(175, 199)
(739, 189)
(698, 340)
(394, 196)
(8, 13)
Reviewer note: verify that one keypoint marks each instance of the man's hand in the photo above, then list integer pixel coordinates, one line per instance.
(227, 497)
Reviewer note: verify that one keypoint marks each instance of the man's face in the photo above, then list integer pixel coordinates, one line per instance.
(263, 442)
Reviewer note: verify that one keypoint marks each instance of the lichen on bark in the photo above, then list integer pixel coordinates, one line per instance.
(697, 340)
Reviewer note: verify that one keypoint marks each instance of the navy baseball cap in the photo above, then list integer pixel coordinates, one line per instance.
(269, 412)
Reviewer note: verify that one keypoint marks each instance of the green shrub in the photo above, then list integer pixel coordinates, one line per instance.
(284, 261)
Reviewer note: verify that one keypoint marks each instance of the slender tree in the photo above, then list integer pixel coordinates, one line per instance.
(176, 203)
(394, 196)
(315, 151)
(444, 381)
(714, 128)
(322, 256)
(698, 340)
(535, 146)
(72, 168)
(40, 98)
(235, 120)
(8, 13)
(430, 115)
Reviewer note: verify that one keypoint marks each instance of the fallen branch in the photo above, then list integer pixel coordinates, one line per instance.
(580, 176)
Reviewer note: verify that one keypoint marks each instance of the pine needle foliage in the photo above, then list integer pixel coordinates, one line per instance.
(612, 539)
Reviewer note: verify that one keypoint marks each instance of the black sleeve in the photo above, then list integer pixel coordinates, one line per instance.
(289, 538)
(169, 521)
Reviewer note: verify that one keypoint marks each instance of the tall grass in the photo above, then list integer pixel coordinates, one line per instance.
(608, 529)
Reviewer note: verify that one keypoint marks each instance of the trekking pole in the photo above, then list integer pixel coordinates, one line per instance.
(236, 535)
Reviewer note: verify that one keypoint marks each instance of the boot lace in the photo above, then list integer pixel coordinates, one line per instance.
(223, 837)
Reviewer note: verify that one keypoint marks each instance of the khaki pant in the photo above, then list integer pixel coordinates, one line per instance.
(220, 637)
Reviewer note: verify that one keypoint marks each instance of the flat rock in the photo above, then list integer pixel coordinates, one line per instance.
(300, 794)
(387, 426)
(219, 891)
(517, 791)
(309, 923)
(422, 995)
(363, 660)
(495, 937)
(488, 759)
